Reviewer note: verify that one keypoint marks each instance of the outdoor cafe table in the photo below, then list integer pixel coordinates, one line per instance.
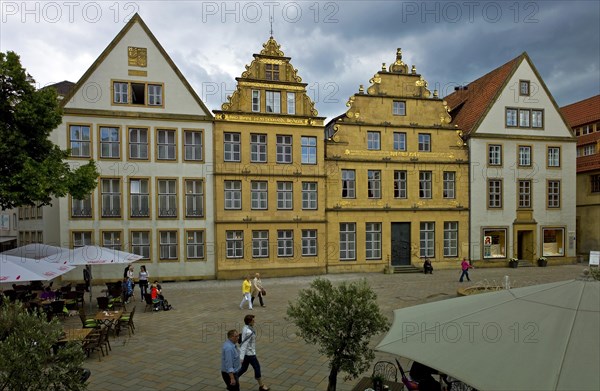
(74, 335)
(367, 382)
(109, 318)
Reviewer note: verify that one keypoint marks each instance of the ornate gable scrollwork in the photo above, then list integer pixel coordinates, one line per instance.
(271, 48)
(398, 66)
(232, 101)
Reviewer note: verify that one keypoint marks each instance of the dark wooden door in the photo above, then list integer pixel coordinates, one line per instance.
(400, 244)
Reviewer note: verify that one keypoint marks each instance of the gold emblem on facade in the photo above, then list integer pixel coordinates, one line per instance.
(137, 57)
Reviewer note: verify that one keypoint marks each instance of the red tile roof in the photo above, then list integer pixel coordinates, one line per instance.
(467, 106)
(588, 163)
(588, 138)
(582, 112)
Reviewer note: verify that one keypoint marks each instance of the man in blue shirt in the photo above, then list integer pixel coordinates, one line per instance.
(230, 361)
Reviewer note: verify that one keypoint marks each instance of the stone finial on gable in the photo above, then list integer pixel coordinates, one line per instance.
(399, 66)
(271, 48)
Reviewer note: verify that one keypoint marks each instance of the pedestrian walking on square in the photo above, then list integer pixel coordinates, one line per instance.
(257, 289)
(246, 293)
(230, 361)
(465, 266)
(143, 281)
(248, 352)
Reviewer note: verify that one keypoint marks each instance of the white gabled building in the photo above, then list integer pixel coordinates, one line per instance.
(135, 114)
(522, 166)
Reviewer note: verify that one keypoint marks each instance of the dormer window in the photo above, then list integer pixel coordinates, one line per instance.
(137, 93)
(272, 72)
(524, 87)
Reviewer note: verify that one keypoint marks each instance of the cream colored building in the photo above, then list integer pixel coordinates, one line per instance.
(135, 114)
(522, 167)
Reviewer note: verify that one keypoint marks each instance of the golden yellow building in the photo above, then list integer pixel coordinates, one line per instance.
(269, 179)
(397, 186)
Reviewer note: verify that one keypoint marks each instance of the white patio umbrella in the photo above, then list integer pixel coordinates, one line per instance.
(20, 269)
(36, 251)
(543, 337)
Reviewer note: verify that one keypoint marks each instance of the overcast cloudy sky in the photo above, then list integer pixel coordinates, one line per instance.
(335, 45)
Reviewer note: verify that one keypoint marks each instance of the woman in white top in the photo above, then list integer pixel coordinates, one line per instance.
(248, 352)
(257, 289)
(143, 276)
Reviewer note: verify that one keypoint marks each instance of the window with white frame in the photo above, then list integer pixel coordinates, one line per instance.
(309, 150)
(511, 117)
(231, 147)
(400, 184)
(427, 239)
(554, 242)
(449, 184)
(194, 198)
(399, 107)
(155, 95)
(256, 101)
(112, 240)
(537, 118)
(494, 243)
(167, 198)
(524, 116)
(424, 142)
(285, 199)
(258, 194)
(120, 92)
(309, 195)
(373, 240)
(139, 197)
(373, 141)
(291, 103)
(168, 244)
(524, 193)
(553, 191)
(234, 243)
(524, 155)
(347, 241)
(273, 101)
(451, 238)
(233, 194)
(348, 184)
(494, 193)
(140, 243)
(285, 243)
(553, 156)
(192, 145)
(309, 242)
(110, 142)
(260, 244)
(138, 143)
(81, 238)
(81, 208)
(284, 149)
(111, 197)
(79, 140)
(425, 184)
(494, 155)
(194, 244)
(258, 148)
(374, 183)
(166, 144)
(524, 87)
(399, 141)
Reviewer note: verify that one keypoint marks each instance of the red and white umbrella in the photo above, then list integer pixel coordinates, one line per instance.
(92, 255)
(19, 269)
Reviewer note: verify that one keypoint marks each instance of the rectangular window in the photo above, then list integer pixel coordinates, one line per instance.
(554, 242)
(424, 142)
(120, 92)
(138, 93)
(260, 244)
(285, 243)
(373, 240)
(234, 242)
(553, 157)
(284, 149)
(347, 241)
(139, 198)
(258, 148)
(194, 198)
(112, 240)
(231, 147)
(233, 195)
(273, 101)
(427, 240)
(256, 101)
(192, 145)
(81, 208)
(167, 198)
(524, 87)
(138, 143)
(553, 191)
(285, 194)
(81, 238)
(524, 194)
(400, 184)
(168, 244)
(424, 184)
(309, 150)
(348, 184)
(373, 141)
(524, 155)
(399, 107)
(155, 95)
(494, 243)
(524, 116)
(272, 72)
(495, 155)
(449, 184)
(374, 183)
(140, 243)
(309, 195)
(166, 144)
(309, 242)
(291, 103)
(79, 140)
(110, 143)
(494, 193)
(450, 238)
(399, 141)
(258, 194)
(195, 244)
(537, 119)
(511, 117)
(111, 197)
(595, 183)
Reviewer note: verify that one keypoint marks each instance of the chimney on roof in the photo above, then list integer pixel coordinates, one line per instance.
(461, 88)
